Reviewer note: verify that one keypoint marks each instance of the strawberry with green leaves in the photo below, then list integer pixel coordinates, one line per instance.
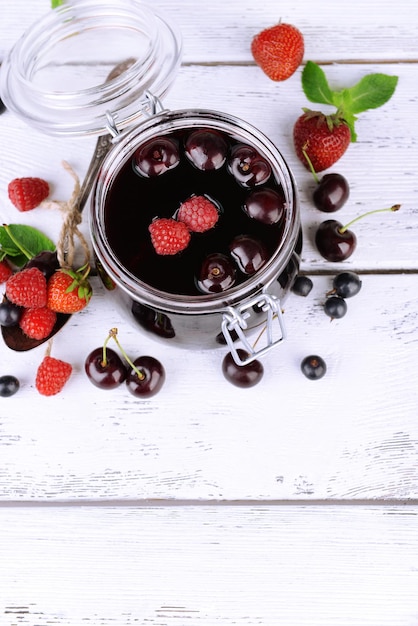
(324, 138)
(69, 291)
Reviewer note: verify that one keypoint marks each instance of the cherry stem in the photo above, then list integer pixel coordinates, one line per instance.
(311, 167)
(395, 207)
(113, 334)
(104, 352)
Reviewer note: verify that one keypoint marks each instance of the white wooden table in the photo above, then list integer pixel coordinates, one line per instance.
(291, 503)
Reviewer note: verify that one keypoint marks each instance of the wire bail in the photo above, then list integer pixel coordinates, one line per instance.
(234, 326)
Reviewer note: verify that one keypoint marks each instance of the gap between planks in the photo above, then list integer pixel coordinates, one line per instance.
(201, 503)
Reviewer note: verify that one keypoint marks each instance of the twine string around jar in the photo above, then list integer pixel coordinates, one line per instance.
(72, 217)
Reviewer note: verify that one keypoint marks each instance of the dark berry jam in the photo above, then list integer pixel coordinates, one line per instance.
(194, 162)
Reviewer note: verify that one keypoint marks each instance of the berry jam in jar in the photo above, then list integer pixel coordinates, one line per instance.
(136, 201)
(230, 195)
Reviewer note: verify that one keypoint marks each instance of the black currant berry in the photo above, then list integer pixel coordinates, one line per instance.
(9, 385)
(302, 286)
(9, 313)
(246, 375)
(346, 284)
(335, 307)
(313, 367)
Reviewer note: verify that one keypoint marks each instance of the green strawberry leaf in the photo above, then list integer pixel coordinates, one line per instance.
(371, 92)
(315, 84)
(20, 243)
(56, 3)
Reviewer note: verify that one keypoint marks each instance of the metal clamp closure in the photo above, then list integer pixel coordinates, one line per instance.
(235, 325)
(151, 106)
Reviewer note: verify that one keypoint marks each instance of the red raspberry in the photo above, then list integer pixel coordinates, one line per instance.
(169, 236)
(37, 323)
(5, 271)
(52, 375)
(27, 193)
(27, 288)
(198, 213)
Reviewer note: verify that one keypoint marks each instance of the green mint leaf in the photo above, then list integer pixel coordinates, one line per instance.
(315, 84)
(371, 92)
(56, 3)
(21, 243)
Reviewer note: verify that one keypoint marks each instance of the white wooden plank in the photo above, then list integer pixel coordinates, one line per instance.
(354, 434)
(290, 566)
(218, 32)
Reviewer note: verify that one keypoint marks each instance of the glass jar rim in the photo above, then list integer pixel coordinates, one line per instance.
(84, 111)
(125, 146)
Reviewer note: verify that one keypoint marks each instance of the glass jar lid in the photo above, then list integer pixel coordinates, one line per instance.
(58, 77)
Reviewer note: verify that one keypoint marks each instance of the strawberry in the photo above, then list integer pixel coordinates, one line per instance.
(278, 50)
(169, 236)
(37, 323)
(5, 271)
(27, 288)
(69, 291)
(324, 138)
(27, 193)
(198, 213)
(52, 375)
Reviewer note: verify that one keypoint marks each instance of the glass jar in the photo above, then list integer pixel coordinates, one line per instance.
(48, 79)
(204, 320)
(56, 78)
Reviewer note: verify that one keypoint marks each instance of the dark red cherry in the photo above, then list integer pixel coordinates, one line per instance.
(331, 193)
(216, 274)
(206, 149)
(265, 205)
(246, 375)
(147, 378)
(105, 374)
(248, 253)
(156, 157)
(46, 262)
(248, 167)
(333, 242)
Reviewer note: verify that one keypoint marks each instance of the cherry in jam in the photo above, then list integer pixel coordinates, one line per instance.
(156, 157)
(244, 237)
